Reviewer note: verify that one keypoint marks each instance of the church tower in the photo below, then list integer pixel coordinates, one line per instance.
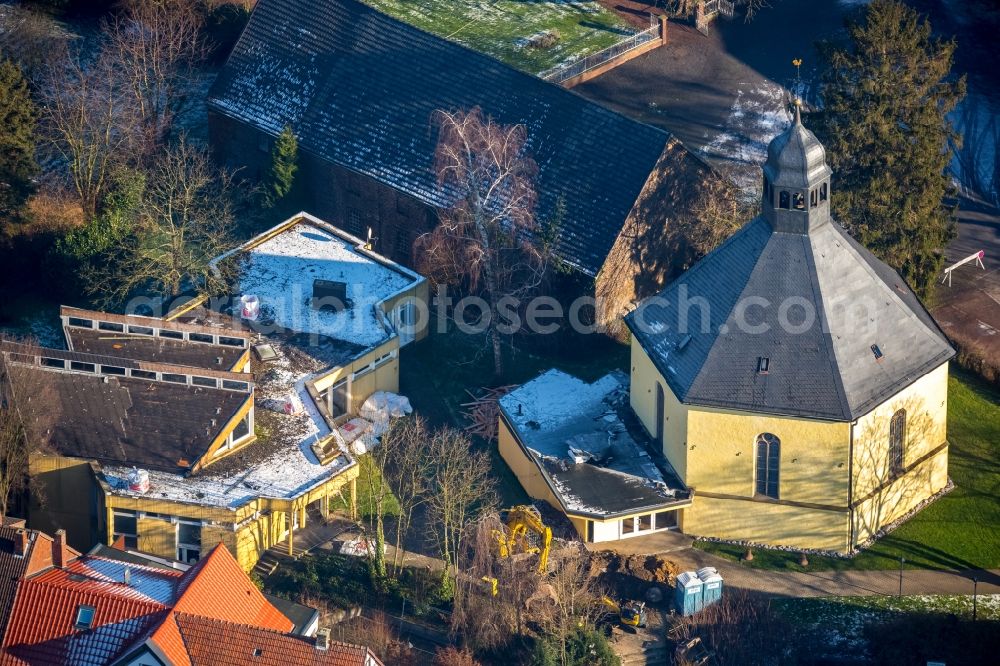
(796, 193)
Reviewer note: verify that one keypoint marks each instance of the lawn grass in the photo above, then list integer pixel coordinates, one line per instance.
(959, 531)
(368, 478)
(501, 28)
(844, 626)
(435, 373)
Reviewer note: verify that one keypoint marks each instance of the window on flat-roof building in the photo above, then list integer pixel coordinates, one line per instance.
(188, 541)
(126, 525)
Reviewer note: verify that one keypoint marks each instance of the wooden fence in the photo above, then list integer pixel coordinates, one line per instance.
(571, 73)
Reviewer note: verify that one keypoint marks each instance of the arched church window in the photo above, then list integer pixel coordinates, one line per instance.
(799, 201)
(897, 442)
(768, 457)
(783, 200)
(813, 197)
(822, 192)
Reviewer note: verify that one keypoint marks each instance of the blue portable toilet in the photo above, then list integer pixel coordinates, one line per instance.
(711, 591)
(688, 593)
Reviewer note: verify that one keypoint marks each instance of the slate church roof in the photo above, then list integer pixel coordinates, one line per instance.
(801, 319)
(359, 89)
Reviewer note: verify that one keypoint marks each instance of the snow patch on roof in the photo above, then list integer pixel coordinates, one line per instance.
(280, 271)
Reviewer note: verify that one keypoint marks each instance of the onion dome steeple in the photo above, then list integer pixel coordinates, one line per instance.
(796, 196)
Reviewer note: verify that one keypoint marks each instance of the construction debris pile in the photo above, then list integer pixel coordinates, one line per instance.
(483, 412)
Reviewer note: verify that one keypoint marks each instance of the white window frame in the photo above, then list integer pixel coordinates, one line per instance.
(405, 336)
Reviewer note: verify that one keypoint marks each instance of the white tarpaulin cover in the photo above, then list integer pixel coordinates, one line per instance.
(381, 407)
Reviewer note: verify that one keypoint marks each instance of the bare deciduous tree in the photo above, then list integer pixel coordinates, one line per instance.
(485, 620)
(407, 470)
(488, 238)
(575, 598)
(753, 7)
(33, 39)
(157, 45)
(462, 488)
(22, 396)
(186, 221)
(90, 120)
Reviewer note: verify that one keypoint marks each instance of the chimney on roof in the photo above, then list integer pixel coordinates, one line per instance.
(127, 577)
(323, 639)
(59, 554)
(21, 542)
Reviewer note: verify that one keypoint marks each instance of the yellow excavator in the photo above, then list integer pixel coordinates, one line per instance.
(525, 533)
(630, 614)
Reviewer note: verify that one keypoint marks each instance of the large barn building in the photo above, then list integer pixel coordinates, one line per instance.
(359, 90)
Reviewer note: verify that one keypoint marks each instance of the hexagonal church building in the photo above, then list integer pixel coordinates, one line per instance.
(793, 380)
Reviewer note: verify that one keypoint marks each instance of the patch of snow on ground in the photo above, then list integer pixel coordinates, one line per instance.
(756, 117)
(281, 270)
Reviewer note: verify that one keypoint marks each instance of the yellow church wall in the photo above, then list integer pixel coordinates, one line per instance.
(767, 522)
(812, 509)
(642, 397)
(814, 455)
(879, 494)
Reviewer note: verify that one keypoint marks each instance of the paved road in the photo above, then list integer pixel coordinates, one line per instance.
(840, 583)
(678, 547)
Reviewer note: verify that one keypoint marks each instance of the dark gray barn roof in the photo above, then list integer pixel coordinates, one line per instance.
(814, 303)
(359, 89)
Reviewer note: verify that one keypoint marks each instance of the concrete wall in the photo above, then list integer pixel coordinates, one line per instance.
(642, 396)
(880, 495)
(525, 469)
(65, 496)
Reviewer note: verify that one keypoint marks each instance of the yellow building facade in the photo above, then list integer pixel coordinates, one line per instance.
(793, 380)
(156, 456)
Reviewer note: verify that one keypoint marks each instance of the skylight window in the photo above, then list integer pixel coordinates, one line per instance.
(878, 352)
(84, 617)
(763, 364)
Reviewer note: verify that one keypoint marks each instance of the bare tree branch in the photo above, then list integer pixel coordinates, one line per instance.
(488, 238)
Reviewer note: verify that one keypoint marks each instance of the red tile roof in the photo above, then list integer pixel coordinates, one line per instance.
(180, 614)
(41, 628)
(219, 574)
(16, 565)
(213, 642)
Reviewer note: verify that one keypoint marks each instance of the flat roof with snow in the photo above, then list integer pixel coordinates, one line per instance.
(280, 268)
(589, 457)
